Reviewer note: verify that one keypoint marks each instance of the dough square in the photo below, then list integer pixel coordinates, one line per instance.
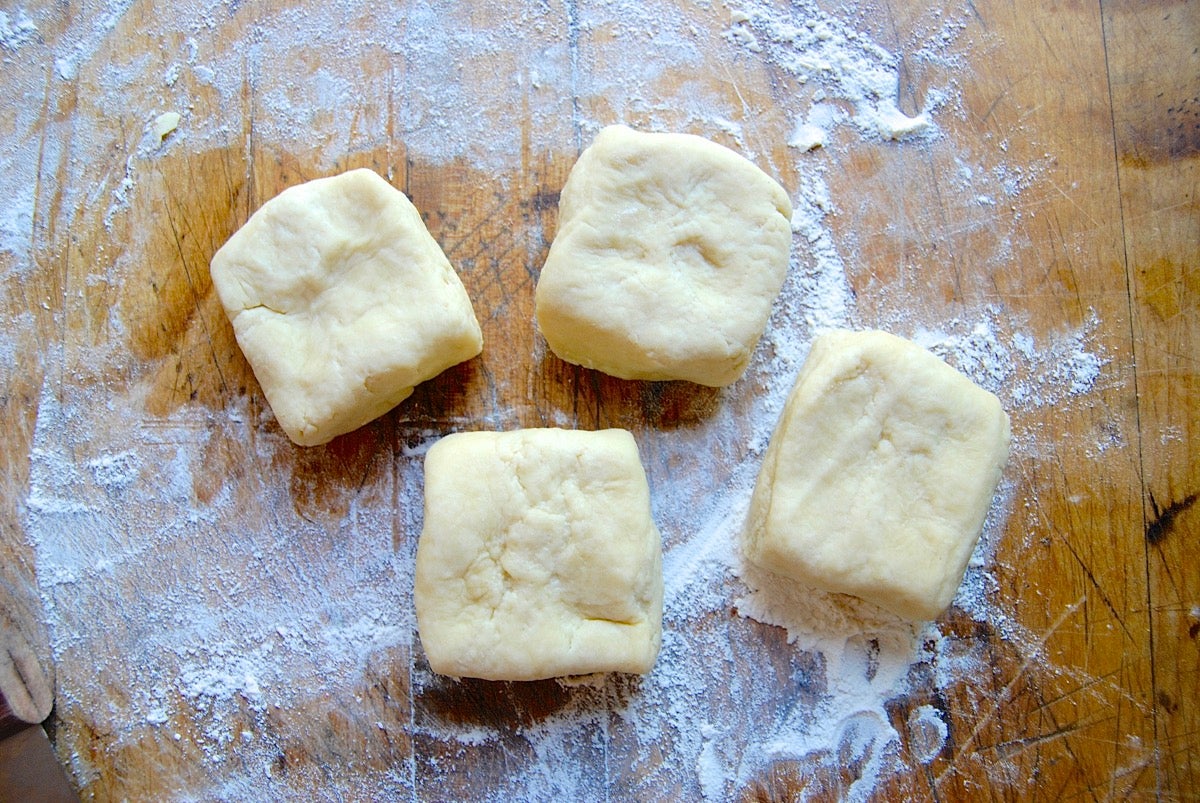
(342, 302)
(879, 474)
(669, 253)
(538, 557)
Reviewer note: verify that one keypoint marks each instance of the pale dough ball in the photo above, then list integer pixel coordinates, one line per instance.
(538, 557)
(342, 302)
(669, 253)
(879, 474)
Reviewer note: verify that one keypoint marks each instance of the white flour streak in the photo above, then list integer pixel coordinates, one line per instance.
(1014, 365)
(706, 552)
(16, 29)
(223, 624)
(16, 223)
(813, 46)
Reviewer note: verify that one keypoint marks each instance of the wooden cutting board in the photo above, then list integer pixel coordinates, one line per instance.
(150, 503)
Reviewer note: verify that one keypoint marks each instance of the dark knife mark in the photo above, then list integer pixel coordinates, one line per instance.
(1164, 518)
(1169, 705)
(543, 200)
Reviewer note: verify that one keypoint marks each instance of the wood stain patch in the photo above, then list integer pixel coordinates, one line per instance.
(184, 209)
(1165, 518)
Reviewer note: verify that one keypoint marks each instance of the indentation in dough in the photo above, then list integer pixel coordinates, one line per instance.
(669, 254)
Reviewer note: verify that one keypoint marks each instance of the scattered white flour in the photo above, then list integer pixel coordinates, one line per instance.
(16, 223)
(927, 733)
(1015, 366)
(16, 29)
(249, 597)
(813, 46)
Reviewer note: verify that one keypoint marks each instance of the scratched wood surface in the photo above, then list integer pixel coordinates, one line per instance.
(1099, 548)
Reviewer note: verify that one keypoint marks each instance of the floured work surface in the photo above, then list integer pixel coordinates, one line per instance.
(230, 615)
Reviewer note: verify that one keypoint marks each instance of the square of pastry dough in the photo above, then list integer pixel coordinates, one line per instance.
(538, 557)
(669, 253)
(342, 302)
(879, 474)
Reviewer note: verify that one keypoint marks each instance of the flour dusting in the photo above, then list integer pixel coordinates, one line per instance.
(16, 29)
(813, 46)
(252, 597)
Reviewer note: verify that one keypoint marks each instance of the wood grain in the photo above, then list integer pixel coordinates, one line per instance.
(1155, 79)
(1095, 567)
